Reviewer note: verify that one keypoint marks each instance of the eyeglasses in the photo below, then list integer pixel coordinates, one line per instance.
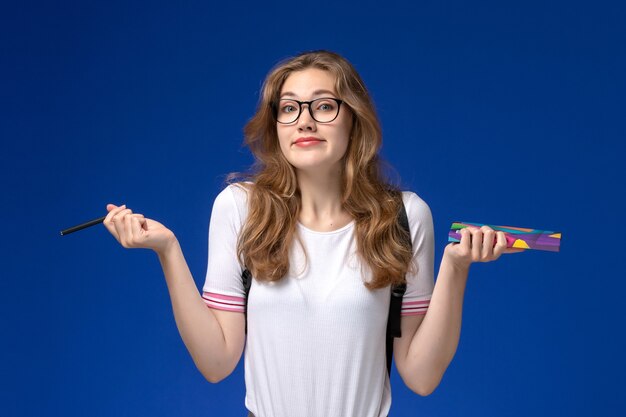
(322, 110)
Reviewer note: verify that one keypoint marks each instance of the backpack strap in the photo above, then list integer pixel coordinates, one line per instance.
(395, 303)
(246, 278)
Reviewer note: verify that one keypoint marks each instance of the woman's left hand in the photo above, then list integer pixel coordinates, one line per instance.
(477, 245)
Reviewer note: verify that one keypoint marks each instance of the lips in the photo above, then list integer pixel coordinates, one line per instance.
(307, 141)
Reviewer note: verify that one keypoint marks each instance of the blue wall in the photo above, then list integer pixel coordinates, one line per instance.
(492, 112)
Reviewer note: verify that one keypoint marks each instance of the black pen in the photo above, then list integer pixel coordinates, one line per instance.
(83, 226)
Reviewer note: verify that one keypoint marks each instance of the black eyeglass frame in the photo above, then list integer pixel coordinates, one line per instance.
(308, 103)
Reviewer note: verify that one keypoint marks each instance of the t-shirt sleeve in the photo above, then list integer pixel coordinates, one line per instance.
(223, 288)
(420, 278)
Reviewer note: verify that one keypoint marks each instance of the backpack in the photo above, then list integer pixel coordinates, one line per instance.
(395, 303)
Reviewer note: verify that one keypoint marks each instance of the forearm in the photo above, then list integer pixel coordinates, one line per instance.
(436, 340)
(197, 324)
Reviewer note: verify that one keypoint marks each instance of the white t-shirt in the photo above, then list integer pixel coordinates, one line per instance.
(316, 338)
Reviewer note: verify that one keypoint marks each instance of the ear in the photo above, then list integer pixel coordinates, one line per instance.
(353, 122)
(273, 109)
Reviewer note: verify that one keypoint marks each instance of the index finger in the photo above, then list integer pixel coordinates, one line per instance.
(500, 245)
(113, 212)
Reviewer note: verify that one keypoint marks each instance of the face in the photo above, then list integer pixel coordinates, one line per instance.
(309, 145)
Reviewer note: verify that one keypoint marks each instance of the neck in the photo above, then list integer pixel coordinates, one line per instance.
(321, 208)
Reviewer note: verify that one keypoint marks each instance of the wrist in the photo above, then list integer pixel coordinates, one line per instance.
(457, 266)
(170, 246)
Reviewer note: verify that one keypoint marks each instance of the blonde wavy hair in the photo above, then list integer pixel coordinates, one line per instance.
(273, 195)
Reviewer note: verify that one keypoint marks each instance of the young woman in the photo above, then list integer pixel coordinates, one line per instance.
(317, 226)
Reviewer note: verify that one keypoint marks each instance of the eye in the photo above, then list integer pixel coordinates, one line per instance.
(288, 107)
(326, 105)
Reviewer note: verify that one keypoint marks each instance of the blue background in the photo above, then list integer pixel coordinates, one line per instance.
(507, 113)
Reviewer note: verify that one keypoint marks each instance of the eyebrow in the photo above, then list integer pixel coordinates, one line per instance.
(315, 93)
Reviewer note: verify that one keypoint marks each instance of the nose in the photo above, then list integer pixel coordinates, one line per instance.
(305, 121)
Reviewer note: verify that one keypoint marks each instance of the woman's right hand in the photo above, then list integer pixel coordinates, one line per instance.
(133, 230)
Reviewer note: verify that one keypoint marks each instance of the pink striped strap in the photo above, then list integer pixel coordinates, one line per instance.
(414, 308)
(224, 302)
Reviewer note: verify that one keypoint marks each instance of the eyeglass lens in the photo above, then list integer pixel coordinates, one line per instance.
(323, 110)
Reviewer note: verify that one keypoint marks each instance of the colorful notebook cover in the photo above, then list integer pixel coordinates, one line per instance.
(516, 237)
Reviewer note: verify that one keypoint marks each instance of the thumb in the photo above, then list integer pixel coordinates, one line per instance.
(514, 250)
(111, 207)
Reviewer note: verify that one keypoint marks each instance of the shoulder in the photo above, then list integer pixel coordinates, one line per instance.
(233, 200)
(236, 193)
(416, 208)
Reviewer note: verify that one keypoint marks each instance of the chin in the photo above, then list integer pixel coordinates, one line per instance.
(316, 166)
